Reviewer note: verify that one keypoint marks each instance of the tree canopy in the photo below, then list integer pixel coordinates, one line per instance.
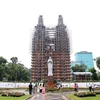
(79, 68)
(94, 74)
(2, 60)
(98, 62)
(13, 71)
(14, 60)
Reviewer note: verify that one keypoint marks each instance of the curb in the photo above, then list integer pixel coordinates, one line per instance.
(29, 97)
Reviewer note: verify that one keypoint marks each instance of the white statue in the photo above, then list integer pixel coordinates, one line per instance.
(50, 67)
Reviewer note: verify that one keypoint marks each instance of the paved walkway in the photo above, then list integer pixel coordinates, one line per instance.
(49, 96)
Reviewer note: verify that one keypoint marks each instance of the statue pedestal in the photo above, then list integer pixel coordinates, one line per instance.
(50, 83)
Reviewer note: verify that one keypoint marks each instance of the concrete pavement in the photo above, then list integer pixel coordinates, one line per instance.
(49, 96)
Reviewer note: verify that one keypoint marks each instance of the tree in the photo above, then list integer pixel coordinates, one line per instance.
(23, 73)
(14, 60)
(14, 71)
(3, 71)
(11, 71)
(3, 68)
(2, 60)
(98, 62)
(98, 75)
(79, 68)
(94, 74)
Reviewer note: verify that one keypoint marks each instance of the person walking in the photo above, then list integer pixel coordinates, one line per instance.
(40, 88)
(43, 89)
(75, 87)
(58, 86)
(30, 88)
(90, 87)
(35, 87)
(93, 87)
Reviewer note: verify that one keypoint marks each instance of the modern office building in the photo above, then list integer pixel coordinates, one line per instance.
(50, 42)
(85, 57)
(73, 63)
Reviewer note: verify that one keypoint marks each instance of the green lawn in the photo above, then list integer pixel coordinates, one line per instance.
(97, 97)
(14, 98)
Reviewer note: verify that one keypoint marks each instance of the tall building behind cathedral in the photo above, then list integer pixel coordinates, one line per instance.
(50, 42)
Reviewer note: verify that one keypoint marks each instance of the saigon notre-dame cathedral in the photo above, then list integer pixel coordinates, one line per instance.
(50, 42)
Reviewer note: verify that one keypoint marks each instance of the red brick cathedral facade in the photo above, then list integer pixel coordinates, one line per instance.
(50, 42)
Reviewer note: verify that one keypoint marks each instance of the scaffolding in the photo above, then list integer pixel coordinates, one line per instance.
(52, 42)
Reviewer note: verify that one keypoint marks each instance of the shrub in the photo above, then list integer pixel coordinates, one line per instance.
(13, 94)
(97, 92)
(51, 89)
(85, 94)
(4, 93)
(18, 94)
(66, 89)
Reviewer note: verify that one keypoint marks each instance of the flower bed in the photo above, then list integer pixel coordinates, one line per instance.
(51, 89)
(59, 90)
(13, 94)
(97, 92)
(85, 94)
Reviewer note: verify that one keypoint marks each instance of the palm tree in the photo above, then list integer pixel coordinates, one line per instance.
(14, 60)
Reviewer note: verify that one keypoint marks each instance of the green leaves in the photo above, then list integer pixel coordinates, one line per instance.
(3, 60)
(94, 74)
(79, 68)
(14, 71)
(14, 60)
(98, 62)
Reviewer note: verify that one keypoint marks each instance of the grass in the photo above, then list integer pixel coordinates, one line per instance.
(72, 97)
(14, 98)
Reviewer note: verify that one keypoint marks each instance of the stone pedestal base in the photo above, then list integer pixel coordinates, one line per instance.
(50, 83)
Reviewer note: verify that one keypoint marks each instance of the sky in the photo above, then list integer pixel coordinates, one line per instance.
(18, 18)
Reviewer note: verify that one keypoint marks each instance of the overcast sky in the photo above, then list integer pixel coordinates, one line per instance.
(18, 18)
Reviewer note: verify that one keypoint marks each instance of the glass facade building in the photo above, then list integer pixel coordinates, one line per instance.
(85, 57)
(73, 63)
